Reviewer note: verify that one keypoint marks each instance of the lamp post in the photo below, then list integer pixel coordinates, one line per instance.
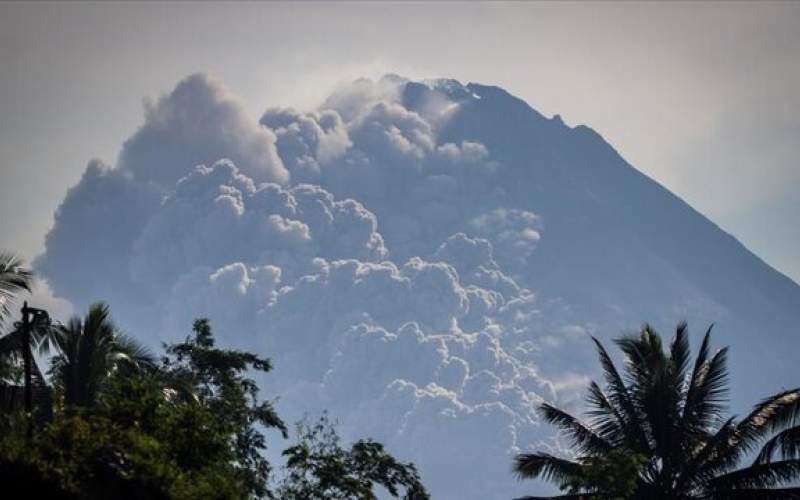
(31, 318)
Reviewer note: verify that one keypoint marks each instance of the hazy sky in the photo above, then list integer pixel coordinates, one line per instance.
(702, 97)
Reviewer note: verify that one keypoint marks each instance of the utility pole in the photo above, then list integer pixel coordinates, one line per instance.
(31, 318)
(26, 358)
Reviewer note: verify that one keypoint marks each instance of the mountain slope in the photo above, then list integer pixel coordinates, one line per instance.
(617, 238)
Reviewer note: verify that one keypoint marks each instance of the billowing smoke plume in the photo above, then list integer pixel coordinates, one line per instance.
(350, 244)
(198, 122)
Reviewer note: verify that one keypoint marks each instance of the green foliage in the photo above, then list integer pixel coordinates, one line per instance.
(93, 457)
(184, 429)
(188, 427)
(88, 458)
(14, 278)
(614, 474)
(658, 431)
(318, 468)
(90, 350)
(216, 411)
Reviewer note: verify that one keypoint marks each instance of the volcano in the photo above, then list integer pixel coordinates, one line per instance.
(424, 259)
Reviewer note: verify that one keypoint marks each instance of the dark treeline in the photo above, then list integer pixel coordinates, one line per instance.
(112, 420)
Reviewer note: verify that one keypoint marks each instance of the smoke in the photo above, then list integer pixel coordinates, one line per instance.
(198, 122)
(379, 266)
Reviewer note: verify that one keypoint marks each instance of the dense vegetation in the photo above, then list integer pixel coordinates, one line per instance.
(114, 421)
(659, 431)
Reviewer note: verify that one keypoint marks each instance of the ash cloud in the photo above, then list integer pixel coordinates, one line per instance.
(198, 122)
(375, 262)
(377, 142)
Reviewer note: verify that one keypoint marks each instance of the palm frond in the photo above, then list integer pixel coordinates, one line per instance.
(90, 352)
(64, 365)
(757, 494)
(718, 454)
(622, 400)
(786, 442)
(657, 390)
(43, 337)
(758, 476)
(133, 352)
(584, 439)
(706, 394)
(680, 352)
(787, 411)
(546, 466)
(605, 417)
(771, 414)
(709, 394)
(644, 359)
(14, 278)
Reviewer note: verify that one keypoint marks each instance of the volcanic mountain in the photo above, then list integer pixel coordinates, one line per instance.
(424, 259)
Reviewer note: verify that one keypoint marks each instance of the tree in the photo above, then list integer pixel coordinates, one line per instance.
(188, 427)
(191, 426)
(216, 411)
(318, 468)
(14, 279)
(666, 415)
(90, 350)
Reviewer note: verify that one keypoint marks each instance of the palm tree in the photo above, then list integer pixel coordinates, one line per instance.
(90, 350)
(14, 279)
(665, 416)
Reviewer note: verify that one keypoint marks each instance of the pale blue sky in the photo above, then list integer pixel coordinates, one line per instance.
(702, 97)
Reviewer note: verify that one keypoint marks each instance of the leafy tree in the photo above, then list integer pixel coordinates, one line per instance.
(666, 414)
(187, 428)
(90, 350)
(319, 468)
(217, 411)
(86, 456)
